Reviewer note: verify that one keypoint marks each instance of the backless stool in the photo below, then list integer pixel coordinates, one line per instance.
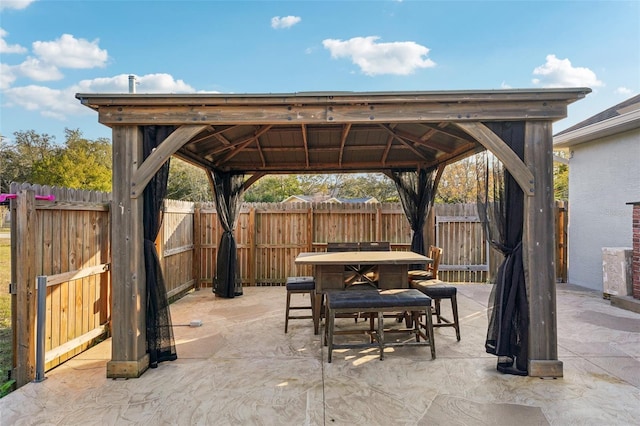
(438, 290)
(299, 285)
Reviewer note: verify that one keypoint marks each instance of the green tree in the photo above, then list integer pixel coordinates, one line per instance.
(458, 183)
(560, 177)
(273, 189)
(187, 182)
(18, 159)
(80, 164)
(374, 185)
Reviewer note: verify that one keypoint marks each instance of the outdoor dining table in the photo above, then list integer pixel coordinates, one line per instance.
(334, 271)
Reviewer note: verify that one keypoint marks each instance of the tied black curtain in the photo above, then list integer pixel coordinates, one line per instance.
(417, 191)
(501, 208)
(228, 188)
(160, 342)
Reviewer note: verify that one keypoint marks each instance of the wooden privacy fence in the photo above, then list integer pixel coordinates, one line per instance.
(68, 240)
(270, 235)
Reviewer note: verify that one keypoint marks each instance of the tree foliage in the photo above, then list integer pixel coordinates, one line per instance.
(273, 189)
(18, 159)
(35, 158)
(187, 182)
(458, 183)
(560, 178)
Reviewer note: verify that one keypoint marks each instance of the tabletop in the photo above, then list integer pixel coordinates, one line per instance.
(361, 257)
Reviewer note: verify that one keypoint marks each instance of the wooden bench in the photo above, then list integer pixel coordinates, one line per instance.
(376, 302)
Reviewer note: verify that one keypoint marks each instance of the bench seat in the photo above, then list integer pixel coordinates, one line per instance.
(377, 302)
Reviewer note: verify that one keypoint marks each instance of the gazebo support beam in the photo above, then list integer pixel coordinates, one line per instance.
(539, 253)
(493, 143)
(170, 145)
(129, 358)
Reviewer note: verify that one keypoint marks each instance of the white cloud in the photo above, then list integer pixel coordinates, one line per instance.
(70, 52)
(9, 48)
(560, 73)
(7, 76)
(284, 22)
(60, 103)
(150, 83)
(623, 91)
(162, 83)
(15, 4)
(37, 70)
(50, 102)
(400, 58)
(504, 85)
(50, 56)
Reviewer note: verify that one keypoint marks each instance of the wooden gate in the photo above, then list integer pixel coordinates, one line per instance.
(466, 252)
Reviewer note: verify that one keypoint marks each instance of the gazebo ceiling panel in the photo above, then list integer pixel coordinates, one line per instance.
(330, 131)
(327, 148)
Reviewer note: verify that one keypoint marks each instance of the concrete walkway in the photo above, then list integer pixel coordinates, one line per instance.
(239, 368)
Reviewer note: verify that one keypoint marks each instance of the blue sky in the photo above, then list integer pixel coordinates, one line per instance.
(50, 50)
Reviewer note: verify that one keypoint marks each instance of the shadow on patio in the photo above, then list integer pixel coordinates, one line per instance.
(240, 368)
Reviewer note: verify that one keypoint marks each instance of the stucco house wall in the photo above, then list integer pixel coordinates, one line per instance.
(604, 175)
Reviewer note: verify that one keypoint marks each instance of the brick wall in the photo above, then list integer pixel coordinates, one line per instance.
(636, 250)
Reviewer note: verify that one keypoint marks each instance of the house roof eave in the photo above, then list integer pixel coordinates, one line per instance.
(612, 126)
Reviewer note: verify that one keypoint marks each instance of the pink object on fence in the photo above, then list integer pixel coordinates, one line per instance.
(5, 197)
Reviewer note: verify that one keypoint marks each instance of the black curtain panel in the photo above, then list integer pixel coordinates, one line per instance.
(501, 208)
(417, 191)
(160, 342)
(228, 188)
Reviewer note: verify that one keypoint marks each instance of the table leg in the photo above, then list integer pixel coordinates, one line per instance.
(381, 334)
(317, 311)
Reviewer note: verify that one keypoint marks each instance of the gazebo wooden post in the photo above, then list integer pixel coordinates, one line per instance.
(539, 254)
(129, 356)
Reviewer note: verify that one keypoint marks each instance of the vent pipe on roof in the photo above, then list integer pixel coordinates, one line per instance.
(132, 84)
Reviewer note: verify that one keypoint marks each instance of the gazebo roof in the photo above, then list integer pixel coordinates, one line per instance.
(328, 132)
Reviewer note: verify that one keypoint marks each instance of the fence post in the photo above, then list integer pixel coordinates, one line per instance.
(310, 234)
(379, 222)
(40, 327)
(25, 312)
(252, 246)
(196, 268)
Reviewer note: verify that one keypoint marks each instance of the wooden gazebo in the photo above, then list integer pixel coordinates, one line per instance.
(330, 132)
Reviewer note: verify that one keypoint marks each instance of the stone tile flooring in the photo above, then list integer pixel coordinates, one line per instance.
(239, 368)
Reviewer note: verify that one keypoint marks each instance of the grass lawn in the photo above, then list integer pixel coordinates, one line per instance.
(5, 314)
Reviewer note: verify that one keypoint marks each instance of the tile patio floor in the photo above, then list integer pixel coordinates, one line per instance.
(239, 368)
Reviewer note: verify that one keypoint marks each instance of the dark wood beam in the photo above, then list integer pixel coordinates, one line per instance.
(392, 132)
(343, 139)
(387, 148)
(194, 159)
(340, 114)
(243, 144)
(429, 144)
(143, 174)
(305, 142)
(253, 179)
